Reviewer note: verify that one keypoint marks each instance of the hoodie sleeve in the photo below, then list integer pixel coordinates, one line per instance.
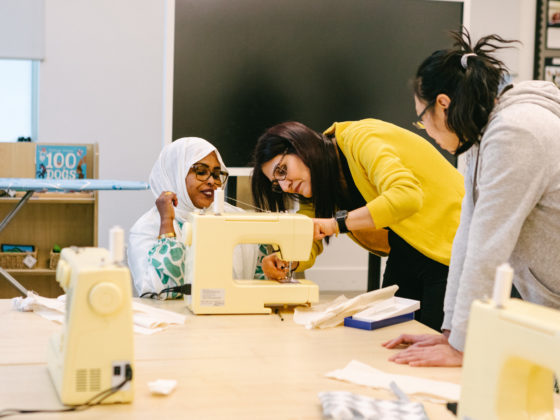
(510, 181)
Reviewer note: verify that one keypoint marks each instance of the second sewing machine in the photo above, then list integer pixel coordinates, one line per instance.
(212, 237)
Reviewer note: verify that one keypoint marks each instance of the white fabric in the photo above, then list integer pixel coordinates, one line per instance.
(333, 313)
(162, 386)
(168, 174)
(362, 374)
(147, 320)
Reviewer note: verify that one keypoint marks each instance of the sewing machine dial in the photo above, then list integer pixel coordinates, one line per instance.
(63, 272)
(105, 298)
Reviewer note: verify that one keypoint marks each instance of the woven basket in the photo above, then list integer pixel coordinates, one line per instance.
(53, 260)
(10, 260)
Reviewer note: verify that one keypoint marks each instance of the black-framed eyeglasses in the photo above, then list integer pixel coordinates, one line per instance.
(279, 173)
(203, 172)
(418, 123)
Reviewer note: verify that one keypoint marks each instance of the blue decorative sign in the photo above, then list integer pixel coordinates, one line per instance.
(60, 162)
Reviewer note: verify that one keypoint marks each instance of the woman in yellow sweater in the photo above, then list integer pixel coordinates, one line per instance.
(389, 189)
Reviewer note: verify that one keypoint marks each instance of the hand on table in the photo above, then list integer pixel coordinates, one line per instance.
(425, 350)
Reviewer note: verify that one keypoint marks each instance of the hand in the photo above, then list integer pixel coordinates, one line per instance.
(165, 203)
(274, 268)
(434, 355)
(324, 227)
(419, 340)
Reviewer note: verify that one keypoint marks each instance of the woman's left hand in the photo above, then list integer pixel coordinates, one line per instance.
(436, 355)
(324, 227)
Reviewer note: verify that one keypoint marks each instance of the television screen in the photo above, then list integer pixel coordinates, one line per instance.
(244, 65)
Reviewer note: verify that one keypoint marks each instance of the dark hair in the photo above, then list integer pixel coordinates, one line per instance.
(317, 152)
(472, 89)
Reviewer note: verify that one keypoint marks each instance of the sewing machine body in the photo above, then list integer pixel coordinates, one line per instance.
(212, 239)
(510, 358)
(96, 345)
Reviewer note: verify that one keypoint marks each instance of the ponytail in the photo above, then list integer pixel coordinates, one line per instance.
(471, 77)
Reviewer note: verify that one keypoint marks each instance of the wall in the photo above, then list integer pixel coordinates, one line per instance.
(106, 76)
(103, 80)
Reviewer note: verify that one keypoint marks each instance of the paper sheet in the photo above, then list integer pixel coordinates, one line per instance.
(332, 314)
(147, 320)
(362, 374)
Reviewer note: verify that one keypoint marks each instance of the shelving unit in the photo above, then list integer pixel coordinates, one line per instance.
(542, 48)
(64, 219)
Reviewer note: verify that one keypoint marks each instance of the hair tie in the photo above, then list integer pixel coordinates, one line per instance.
(464, 59)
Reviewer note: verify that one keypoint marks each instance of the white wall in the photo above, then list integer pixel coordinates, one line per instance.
(103, 80)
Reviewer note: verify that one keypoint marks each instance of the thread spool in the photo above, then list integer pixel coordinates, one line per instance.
(502, 285)
(116, 244)
(218, 204)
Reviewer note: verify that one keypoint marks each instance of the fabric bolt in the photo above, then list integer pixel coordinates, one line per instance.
(511, 210)
(168, 174)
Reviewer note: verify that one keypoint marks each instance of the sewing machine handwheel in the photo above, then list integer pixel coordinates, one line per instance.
(105, 298)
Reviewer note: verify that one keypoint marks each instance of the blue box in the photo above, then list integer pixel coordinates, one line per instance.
(365, 325)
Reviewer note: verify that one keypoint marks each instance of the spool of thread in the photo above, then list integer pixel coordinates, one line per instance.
(218, 201)
(116, 244)
(502, 285)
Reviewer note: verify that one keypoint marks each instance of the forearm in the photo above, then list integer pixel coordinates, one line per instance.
(359, 219)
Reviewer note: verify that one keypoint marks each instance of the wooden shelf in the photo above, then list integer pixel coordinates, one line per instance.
(61, 199)
(46, 219)
(31, 271)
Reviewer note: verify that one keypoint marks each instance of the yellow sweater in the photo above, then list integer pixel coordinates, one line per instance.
(407, 184)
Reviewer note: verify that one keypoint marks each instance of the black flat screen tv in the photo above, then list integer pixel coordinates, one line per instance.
(241, 66)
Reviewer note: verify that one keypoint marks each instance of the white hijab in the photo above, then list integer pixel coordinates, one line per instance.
(168, 174)
(173, 165)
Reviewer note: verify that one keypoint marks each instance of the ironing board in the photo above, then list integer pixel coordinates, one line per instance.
(31, 185)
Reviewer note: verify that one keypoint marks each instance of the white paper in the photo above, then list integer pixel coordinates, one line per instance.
(387, 308)
(362, 374)
(333, 313)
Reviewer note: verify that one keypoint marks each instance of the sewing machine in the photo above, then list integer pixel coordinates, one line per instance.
(212, 238)
(95, 350)
(512, 352)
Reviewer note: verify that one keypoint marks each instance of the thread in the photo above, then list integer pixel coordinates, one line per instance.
(218, 204)
(116, 244)
(502, 285)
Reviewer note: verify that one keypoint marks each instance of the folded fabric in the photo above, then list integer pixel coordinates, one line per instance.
(362, 374)
(162, 386)
(333, 313)
(340, 405)
(147, 320)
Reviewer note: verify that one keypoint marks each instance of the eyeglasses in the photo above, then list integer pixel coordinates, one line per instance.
(419, 124)
(279, 174)
(203, 172)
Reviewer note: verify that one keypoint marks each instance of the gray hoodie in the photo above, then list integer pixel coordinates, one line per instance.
(511, 208)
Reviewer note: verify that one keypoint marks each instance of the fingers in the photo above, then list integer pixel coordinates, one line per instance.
(400, 340)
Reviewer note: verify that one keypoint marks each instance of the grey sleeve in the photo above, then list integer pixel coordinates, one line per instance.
(509, 183)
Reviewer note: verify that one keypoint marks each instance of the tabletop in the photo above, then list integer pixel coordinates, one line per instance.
(227, 366)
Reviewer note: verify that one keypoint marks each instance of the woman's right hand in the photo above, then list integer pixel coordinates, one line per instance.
(274, 268)
(165, 204)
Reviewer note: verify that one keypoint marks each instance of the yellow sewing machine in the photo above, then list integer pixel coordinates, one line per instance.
(212, 238)
(94, 352)
(511, 355)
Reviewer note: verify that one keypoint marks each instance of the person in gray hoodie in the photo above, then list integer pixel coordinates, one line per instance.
(511, 208)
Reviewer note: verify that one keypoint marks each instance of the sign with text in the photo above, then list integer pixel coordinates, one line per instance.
(60, 162)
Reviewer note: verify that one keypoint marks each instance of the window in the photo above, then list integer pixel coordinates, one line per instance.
(18, 99)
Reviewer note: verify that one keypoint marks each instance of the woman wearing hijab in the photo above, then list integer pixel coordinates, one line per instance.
(183, 179)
